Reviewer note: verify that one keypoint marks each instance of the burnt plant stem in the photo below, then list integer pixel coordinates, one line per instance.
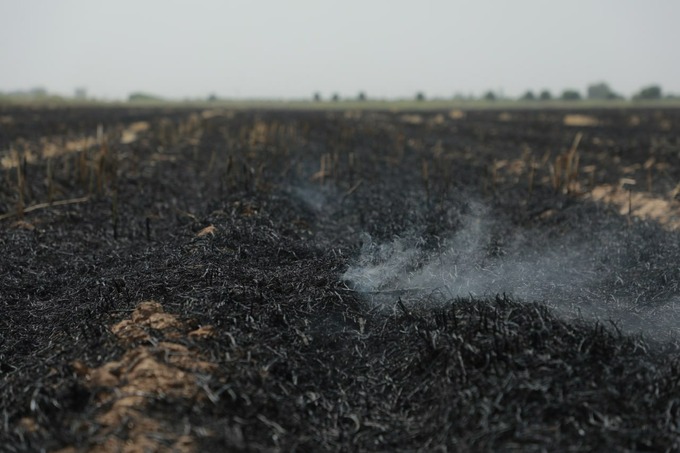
(532, 170)
(50, 181)
(114, 213)
(20, 189)
(426, 180)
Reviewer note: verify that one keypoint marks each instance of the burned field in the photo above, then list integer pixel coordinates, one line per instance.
(187, 280)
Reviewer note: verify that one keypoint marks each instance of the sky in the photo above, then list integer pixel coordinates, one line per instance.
(294, 48)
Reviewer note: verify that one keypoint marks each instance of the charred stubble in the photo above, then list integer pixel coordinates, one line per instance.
(277, 324)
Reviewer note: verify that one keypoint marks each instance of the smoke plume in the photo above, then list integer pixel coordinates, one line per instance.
(595, 273)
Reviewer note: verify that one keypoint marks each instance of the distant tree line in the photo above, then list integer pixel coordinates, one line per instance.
(650, 92)
(600, 91)
(34, 94)
(145, 97)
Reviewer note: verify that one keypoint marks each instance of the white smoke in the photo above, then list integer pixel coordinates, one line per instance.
(572, 275)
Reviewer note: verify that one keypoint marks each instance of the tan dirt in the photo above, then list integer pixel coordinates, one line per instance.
(580, 120)
(641, 205)
(149, 370)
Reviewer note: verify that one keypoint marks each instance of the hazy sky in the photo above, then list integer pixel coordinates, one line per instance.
(294, 48)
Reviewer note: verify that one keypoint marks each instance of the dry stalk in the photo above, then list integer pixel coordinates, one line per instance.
(325, 166)
(649, 165)
(329, 165)
(555, 170)
(82, 167)
(353, 188)
(335, 165)
(532, 171)
(66, 169)
(674, 193)
(571, 165)
(114, 214)
(92, 176)
(101, 166)
(350, 163)
(426, 179)
(445, 174)
(112, 169)
(259, 176)
(590, 170)
(50, 181)
(627, 184)
(545, 159)
(227, 179)
(564, 170)
(213, 158)
(399, 146)
(494, 175)
(21, 183)
(39, 206)
(322, 170)
(246, 172)
(574, 175)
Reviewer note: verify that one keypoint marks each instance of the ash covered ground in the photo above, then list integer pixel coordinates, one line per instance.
(186, 280)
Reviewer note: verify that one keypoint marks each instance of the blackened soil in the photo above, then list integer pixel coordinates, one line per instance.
(304, 362)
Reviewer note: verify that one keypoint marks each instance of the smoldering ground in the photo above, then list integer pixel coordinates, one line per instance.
(609, 270)
(301, 364)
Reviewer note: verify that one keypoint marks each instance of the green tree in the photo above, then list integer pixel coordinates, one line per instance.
(570, 95)
(143, 97)
(600, 91)
(489, 96)
(545, 95)
(317, 97)
(362, 96)
(336, 97)
(528, 96)
(420, 96)
(650, 92)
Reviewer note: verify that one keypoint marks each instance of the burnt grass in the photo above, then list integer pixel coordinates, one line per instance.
(306, 362)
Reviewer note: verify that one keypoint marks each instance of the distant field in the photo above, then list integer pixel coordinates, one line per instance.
(370, 104)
